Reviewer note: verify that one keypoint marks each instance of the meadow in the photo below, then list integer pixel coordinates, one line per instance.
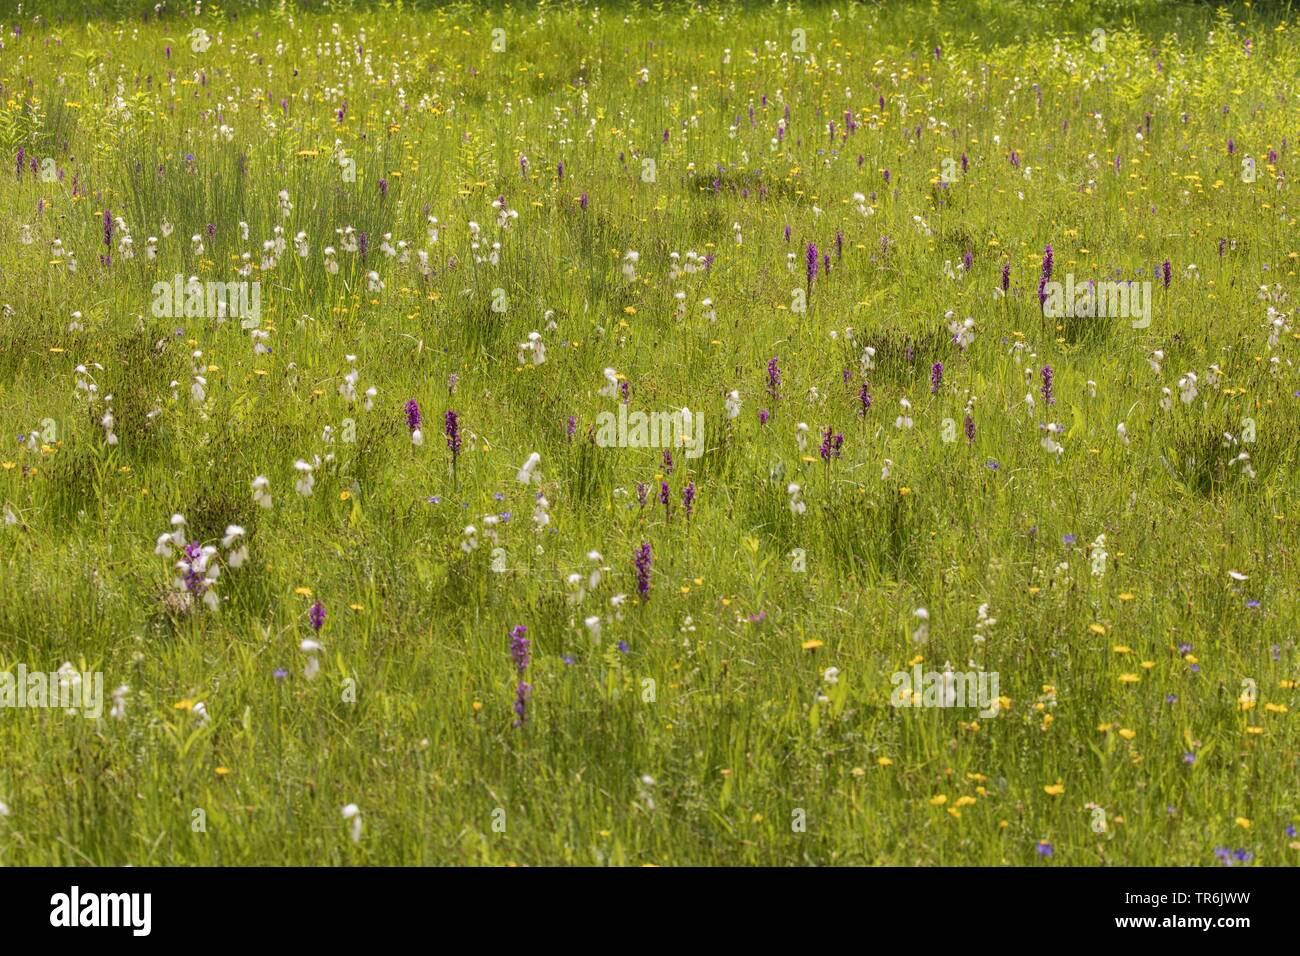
(319, 322)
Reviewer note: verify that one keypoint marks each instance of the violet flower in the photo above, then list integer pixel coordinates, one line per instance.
(1046, 276)
(451, 428)
(831, 445)
(643, 559)
(523, 691)
(864, 399)
(520, 648)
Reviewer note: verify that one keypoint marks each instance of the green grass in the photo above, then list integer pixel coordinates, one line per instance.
(714, 687)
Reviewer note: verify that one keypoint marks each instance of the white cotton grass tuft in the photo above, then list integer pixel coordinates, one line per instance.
(235, 545)
(118, 711)
(306, 480)
(311, 647)
(733, 404)
(261, 487)
(922, 632)
(352, 813)
(528, 472)
(533, 351)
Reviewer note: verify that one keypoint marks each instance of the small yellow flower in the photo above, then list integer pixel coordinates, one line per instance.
(1097, 628)
(304, 592)
(938, 800)
(1243, 823)
(1055, 789)
(884, 762)
(222, 771)
(1127, 734)
(812, 645)
(1129, 678)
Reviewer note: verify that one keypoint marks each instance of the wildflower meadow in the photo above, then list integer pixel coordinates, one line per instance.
(722, 433)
